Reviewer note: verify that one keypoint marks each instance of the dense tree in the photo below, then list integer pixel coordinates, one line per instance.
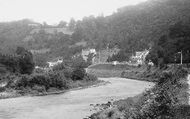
(120, 56)
(21, 62)
(90, 58)
(72, 24)
(26, 62)
(168, 47)
(133, 28)
(62, 24)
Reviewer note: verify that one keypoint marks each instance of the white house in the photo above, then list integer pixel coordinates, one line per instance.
(53, 63)
(86, 52)
(140, 56)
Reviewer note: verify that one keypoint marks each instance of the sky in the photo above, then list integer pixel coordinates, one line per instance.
(53, 11)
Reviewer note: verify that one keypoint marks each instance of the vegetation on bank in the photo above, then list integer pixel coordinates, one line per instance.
(143, 73)
(168, 99)
(47, 82)
(27, 81)
(44, 83)
(109, 70)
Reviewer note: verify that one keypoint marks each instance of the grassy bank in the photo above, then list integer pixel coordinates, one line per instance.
(105, 73)
(108, 70)
(142, 73)
(168, 99)
(119, 67)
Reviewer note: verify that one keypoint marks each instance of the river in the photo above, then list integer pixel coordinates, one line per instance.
(70, 105)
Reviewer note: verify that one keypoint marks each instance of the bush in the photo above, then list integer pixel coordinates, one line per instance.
(62, 68)
(163, 97)
(78, 74)
(52, 79)
(90, 77)
(68, 73)
(59, 67)
(38, 70)
(58, 80)
(39, 79)
(2, 89)
(22, 81)
(39, 88)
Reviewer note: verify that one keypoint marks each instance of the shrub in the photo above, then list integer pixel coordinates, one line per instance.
(38, 70)
(68, 73)
(78, 74)
(59, 67)
(79, 62)
(90, 77)
(163, 97)
(39, 88)
(52, 79)
(62, 68)
(2, 89)
(22, 81)
(110, 113)
(58, 80)
(40, 79)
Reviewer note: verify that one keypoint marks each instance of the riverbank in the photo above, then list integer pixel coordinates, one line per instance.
(167, 99)
(74, 104)
(11, 93)
(45, 83)
(126, 71)
(143, 73)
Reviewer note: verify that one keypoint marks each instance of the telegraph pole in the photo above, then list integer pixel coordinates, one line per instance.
(181, 57)
(99, 56)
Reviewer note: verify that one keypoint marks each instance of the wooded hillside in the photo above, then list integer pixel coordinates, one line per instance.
(131, 28)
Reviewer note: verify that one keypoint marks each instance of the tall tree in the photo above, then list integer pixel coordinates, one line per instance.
(72, 24)
(26, 62)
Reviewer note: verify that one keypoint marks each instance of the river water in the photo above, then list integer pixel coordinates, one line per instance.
(70, 105)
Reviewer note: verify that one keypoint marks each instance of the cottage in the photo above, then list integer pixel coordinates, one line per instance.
(86, 52)
(54, 63)
(140, 56)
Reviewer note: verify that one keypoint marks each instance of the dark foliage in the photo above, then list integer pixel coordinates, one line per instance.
(78, 73)
(164, 97)
(22, 62)
(54, 79)
(26, 62)
(120, 56)
(170, 47)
